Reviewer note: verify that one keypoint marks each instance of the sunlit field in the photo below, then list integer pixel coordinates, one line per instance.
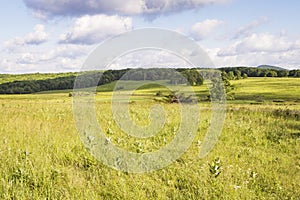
(257, 155)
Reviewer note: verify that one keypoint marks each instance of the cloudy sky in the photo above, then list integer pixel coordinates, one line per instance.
(58, 35)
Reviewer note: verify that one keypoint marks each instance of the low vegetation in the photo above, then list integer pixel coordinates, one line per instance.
(256, 157)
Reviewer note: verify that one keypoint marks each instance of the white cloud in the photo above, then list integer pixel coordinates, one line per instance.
(70, 51)
(37, 37)
(149, 59)
(64, 57)
(257, 49)
(246, 30)
(203, 29)
(263, 42)
(96, 28)
(45, 8)
(252, 59)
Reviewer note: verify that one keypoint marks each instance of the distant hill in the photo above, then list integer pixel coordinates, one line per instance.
(270, 67)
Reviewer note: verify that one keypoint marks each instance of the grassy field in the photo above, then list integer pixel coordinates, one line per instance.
(256, 157)
(267, 89)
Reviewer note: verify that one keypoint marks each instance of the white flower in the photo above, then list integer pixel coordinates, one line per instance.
(236, 187)
(107, 140)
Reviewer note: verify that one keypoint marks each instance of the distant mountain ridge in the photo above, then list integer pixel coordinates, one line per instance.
(270, 67)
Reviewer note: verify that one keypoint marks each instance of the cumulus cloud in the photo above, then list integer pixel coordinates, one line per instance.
(263, 42)
(203, 29)
(120, 7)
(68, 51)
(63, 57)
(93, 29)
(257, 49)
(37, 37)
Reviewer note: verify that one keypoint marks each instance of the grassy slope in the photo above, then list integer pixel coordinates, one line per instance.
(267, 88)
(42, 156)
(245, 90)
(4, 78)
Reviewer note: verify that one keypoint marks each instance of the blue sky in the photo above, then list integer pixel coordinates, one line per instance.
(57, 36)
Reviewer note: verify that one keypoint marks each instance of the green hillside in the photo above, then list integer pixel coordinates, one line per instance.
(6, 78)
(271, 67)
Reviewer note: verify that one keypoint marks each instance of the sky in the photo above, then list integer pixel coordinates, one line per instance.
(58, 35)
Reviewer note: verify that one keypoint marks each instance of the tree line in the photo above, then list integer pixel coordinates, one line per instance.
(177, 76)
(93, 78)
(243, 72)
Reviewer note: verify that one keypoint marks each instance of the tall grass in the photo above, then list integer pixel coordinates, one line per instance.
(41, 156)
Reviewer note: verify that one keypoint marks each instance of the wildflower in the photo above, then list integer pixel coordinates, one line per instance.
(107, 140)
(236, 187)
(253, 174)
(198, 143)
(215, 167)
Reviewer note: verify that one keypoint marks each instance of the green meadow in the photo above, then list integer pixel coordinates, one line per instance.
(268, 89)
(257, 155)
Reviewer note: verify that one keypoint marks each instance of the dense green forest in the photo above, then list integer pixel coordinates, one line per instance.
(243, 72)
(32, 83)
(90, 79)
